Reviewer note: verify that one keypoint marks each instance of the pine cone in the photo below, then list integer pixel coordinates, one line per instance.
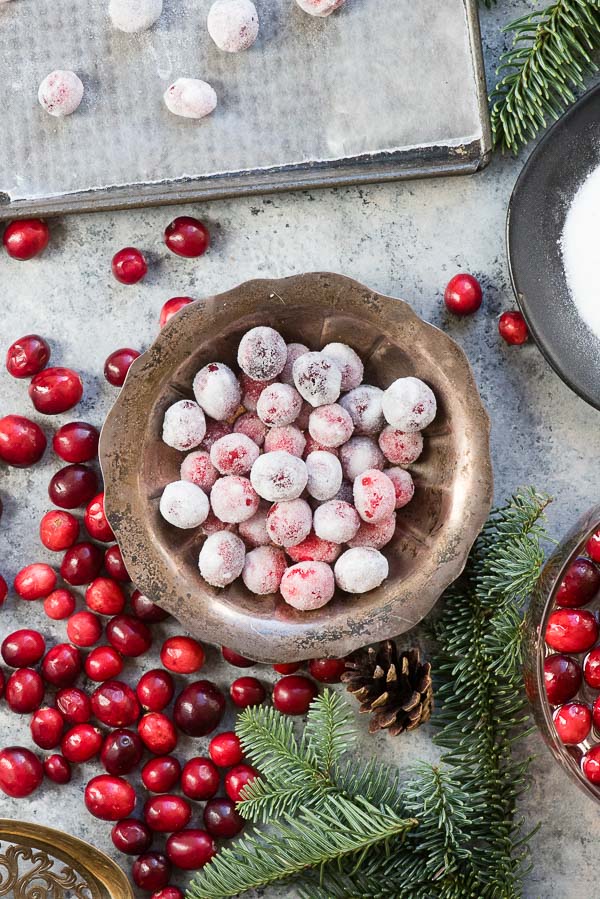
(394, 686)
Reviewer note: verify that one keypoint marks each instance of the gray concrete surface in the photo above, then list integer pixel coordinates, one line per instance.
(403, 239)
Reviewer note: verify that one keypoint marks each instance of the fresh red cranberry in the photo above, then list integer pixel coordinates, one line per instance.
(73, 486)
(27, 356)
(591, 670)
(234, 658)
(592, 547)
(161, 775)
(158, 733)
(221, 818)
(103, 663)
(105, 596)
(463, 294)
(131, 836)
(55, 390)
(129, 265)
(35, 581)
(226, 749)
(199, 708)
(109, 798)
(590, 764)
(573, 722)
(96, 521)
(293, 694)
(22, 442)
(81, 743)
(26, 238)
(151, 871)
(58, 530)
(287, 667)
(146, 610)
(167, 813)
(46, 727)
(118, 364)
(3, 591)
(130, 636)
(168, 893)
(172, 307)
(579, 585)
(81, 564)
(183, 655)
(247, 691)
(75, 705)
(190, 849)
(328, 671)
(76, 442)
(2, 683)
(24, 691)
(84, 628)
(562, 678)
(187, 236)
(121, 751)
(23, 648)
(62, 665)
(113, 563)
(155, 690)
(199, 779)
(237, 779)
(57, 769)
(513, 328)
(571, 630)
(115, 704)
(21, 772)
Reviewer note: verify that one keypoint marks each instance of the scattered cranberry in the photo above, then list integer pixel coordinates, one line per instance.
(23, 648)
(168, 893)
(105, 597)
(46, 727)
(186, 236)
(84, 628)
(81, 564)
(81, 743)
(55, 390)
(2, 683)
(161, 775)
(247, 691)
(96, 521)
(221, 818)
(21, 772)
(22, 442)
(27, 356)
(167, 813)
(59, 604)
(129, 265)
(293, 694)
(76, 442)
(103, 663)
(590, 764)
(463, 294)
(3, 591)
(57, 769)
(155, 690)
(287, 667)
(172, 307)
(151, 871)
(35, 581)
(128, 635)
(234, 658)
(146, 610)
(61, 665)
(73, 486)
(75, 705)
(592, 547)
(113, 562)
(226, 749)
(121, 751)
(562, 678)
(58, 530)
(237, 779)
(573, 722)
(513, 328)
(158, 733)
(26, 238)
(579, 585)
(199, 779)
(115, 704)
(131, 836)
(328, 671)
(118, 364)
(199, 708)
(190, 849)
(571, 630)
(109, 798)
(183, 655)
(24, 691)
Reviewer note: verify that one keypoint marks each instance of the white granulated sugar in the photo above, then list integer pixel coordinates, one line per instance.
(133, 16)
(184, 425)
(580, 242)
(184, 505)
(190, 98)
(60, 93)
(233, 24)
(360, 569)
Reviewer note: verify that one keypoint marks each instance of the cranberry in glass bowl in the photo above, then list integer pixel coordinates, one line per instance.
(579, 585)
(22, 441)
(27, 356)
(562, 678)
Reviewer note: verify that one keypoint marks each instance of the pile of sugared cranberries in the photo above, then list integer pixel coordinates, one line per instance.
(572, 665)
(298, 489)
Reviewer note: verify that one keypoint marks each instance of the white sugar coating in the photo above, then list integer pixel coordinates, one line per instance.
(233, 499)
(400, 448)
(359, 454)
(263, 570)
(320, 8)
(375, 535)
(222, 558)
(579, 244)
(278, 405)
(214, 430)
(313, 549)
(250, 424)
(336, 521)
(254, 530)
(330, 425)
(233, 24)
(234, 454)
(348, 361)
(190, 98)
(308, 585)
(197, 468)
(134, 15)
(364, 406)
(289, 438)
(262, 353)
(403, 485)
(317, 379)
(184, 505)
(294, 350)
(361, 569)
(279, 476)
(60, 93)
(409, 404)
(345, 493)
(374, 496)
(217, 390)
(324, 475)
(184, 425)
(289, 523)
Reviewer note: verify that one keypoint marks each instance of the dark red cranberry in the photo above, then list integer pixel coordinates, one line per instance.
(199, 708)
(73, 486)
(221, 818)
(187, 236)
(121, 751)
(58, 530)
(130, 636)
(463, 294)
(131, 836)
(579, 585)
(75, 705)
(287, 667)
(2, 683)
(151, 871)
(591, 671)
(118, 364)
(226, 749)
(27, 356)
(55, 390)
(96, 521)
(199, 779)
(103, 663)
(24, 691)
(190, 849)
(109, 798)
(146, 610)
(237, 779)
(23, 648)
(167, 813)
(3, 591)
(590, 764)
(513, 328)
(129, 265)
(57, 769)
(183, 655)
(155, 690)
(571, 630)
(21, 772)
(168, 893)
(247, 691)
(172, 307)
(35, 581)
(62, 665)
(328, 671)
(293, 694)
(26, 238)
(105, 596)
(113, 562)
(234, 658)
(592, 547)
(46, 728)
(562, 678)
(22, 442)
(161, 775)
(115, 704)
(158, 733)
(76, 442)
(81, 564)
(84, 629)
(81, 743)
(573, 722)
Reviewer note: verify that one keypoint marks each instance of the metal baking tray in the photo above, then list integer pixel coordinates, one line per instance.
(371, 93)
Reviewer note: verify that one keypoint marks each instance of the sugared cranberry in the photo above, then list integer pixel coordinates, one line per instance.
(562, 678)
(463, 294)
(287, 667)
(105, 596)
(236, 780)
(579, 585)
(23, 648)
(221, 818)
(24, 691)
(187, 236)
(513, 328)
(590, 764)
(328, 671)
(151, 871)
(58, 530)
(199, 708)
(57, 769)
(130, 636)
(35, 581)
(591, 670)
(190, 849)
(183, 655)
(75, 705)
(84, 628)
(168, 893)
(81, 564)
(167, 813)
(573, 722)
(161, 775)
(103, 663)
(247, 691)
(115, 704)
(21, 772)
(234, 658)
(61, 665)
(96, 521)
(26, 238)
(172, 307)
(121, 751)
(46, 727)
(571, 630)
(129, 265)
(27, 356)
(592, 547)
(76, 442)
(109, 798)
(199, 779)
(226, 749)
(73, 486)
(146, 610)
(158, 733)
(22, 442)
(81, 743)
(155, 690)
(55, 390)
(118, 364)
(113, 562)
(293, 694)
(131, 836)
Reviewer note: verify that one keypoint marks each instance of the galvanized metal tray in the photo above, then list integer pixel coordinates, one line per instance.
(382, 89)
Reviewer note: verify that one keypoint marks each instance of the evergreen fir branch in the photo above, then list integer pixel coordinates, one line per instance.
(262, 801)
(270, 743)
(376, 782)
(330, 730)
